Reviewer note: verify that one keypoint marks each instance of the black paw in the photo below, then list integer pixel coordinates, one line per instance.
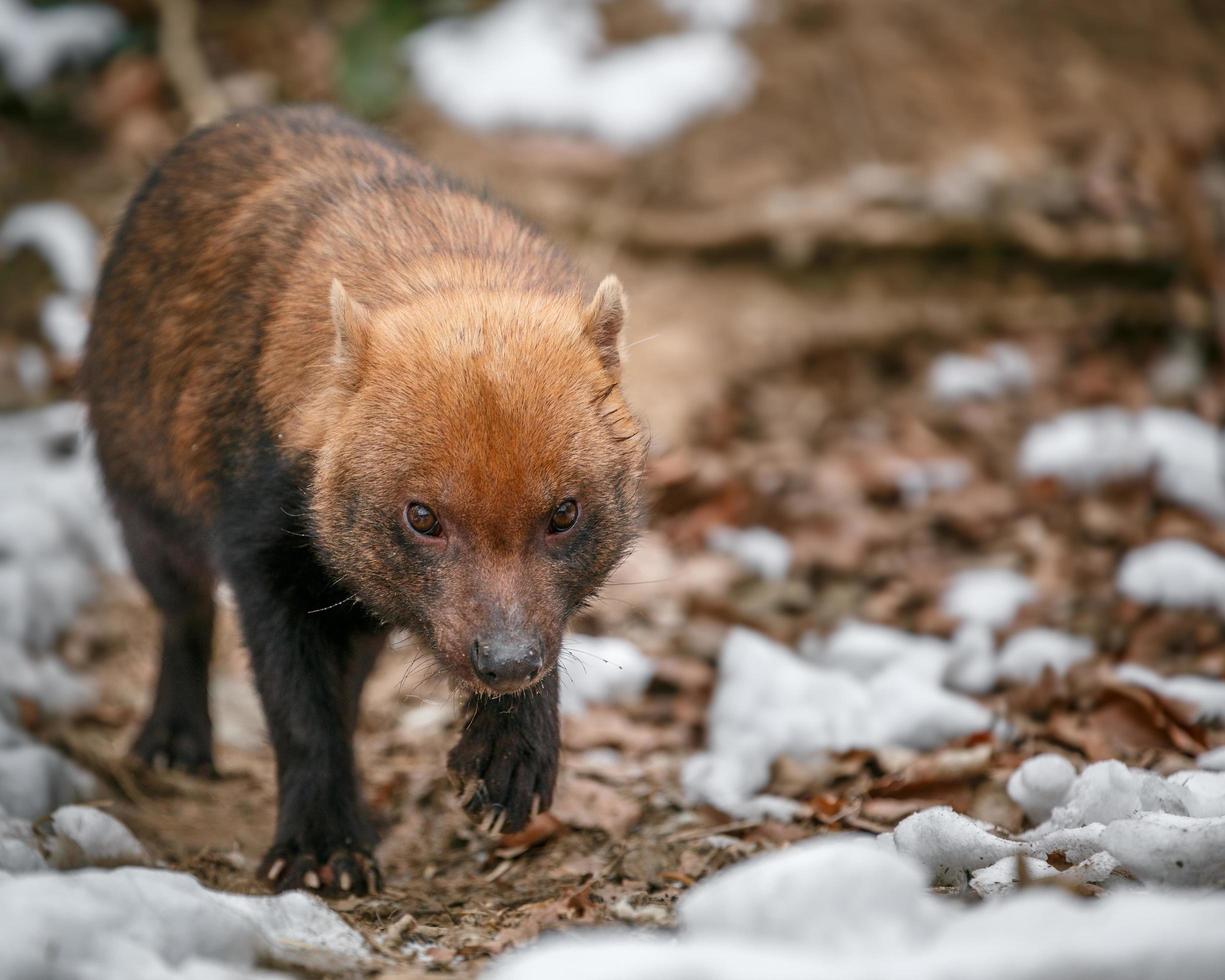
(342, 871)
(505, 764)
(181, 744)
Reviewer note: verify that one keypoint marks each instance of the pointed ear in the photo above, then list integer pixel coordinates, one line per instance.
(604, 323)
(352, 323)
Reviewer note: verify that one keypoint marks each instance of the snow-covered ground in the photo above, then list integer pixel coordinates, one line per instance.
(854, 908)
(127, 922)
(67, 910)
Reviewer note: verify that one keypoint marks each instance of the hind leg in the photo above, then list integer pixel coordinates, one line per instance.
(178, 732)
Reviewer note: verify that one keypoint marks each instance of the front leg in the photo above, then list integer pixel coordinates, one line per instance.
(305, 659)
(505, 763)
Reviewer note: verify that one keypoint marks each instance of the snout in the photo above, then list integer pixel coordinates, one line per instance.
(506, 663)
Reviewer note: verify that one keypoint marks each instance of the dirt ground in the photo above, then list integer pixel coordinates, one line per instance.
(779, 356)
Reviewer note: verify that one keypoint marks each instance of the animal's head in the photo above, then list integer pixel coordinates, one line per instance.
(480, 476)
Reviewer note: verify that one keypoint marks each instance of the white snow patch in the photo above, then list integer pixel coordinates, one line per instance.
(1168, 849)
(33, 371)
(1206, 694)
(829, 893)
(752, 921)
(60, 234)
(65, 325)
(724, 14)
(769, 702)
(69, 245)
(35, 779)
(1002, 877)
(866, 649)
(1087, 448)
(139, 922)
(544, 65)
(950, 845)
(1213, 759)
(56, 536)
(973, 668)
(1040, 784)
(1174, 573)
(1109, 791)
(602, 670)
(1187, 457)
(1205, 792)
(1027, 654)
(35, 43)
(758, 549)
(96, 838)
(1004, 369)
(991, 596)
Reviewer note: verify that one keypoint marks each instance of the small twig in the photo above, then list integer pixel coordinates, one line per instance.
(184, 62)
(726, 828)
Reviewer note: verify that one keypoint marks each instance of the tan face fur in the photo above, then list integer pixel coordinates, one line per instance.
(489, 409)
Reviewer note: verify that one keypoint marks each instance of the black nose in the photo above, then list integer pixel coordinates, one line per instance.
(506, 663)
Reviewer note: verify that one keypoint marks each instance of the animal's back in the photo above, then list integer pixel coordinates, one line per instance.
(212, 311)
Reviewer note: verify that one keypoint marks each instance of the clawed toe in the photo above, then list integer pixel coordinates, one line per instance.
(345, 872)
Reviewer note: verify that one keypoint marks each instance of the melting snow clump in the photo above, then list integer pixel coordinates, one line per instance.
(61, 235)
(784, 897)
(1087, 448)
(69, 245)
(89, 836)
(957, 378)
(1040, 784)
(1206, 694)
(991, 596)
(948, 844)
(1026, 655)
(545, 66)
(143, 922)
(764, 552)
(727, 14)
(1174, 573)
(601, 670)
(35, 43)
(768, 702)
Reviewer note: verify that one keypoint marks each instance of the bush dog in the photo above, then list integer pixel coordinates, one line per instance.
(367, 399)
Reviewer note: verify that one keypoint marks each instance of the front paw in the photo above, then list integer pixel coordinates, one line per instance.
(505, 764)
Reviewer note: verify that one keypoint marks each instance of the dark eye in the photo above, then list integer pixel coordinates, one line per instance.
(422, 520)
(565, 515)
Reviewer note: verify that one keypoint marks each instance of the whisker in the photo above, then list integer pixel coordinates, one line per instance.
(311, 612)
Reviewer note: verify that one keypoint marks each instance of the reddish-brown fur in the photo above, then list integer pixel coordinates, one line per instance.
(301, 329)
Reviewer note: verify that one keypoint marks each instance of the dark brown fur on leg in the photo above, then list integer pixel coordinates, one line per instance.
(505, 763)
(178, 732)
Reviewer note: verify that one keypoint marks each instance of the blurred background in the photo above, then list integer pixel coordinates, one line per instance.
(876, 252)
(768, 177)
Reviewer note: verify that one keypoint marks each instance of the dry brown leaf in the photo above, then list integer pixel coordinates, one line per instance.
(538, 830)
(591, 805)
(605, 727)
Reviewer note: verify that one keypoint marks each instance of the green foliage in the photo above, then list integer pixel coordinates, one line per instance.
(372, 77)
